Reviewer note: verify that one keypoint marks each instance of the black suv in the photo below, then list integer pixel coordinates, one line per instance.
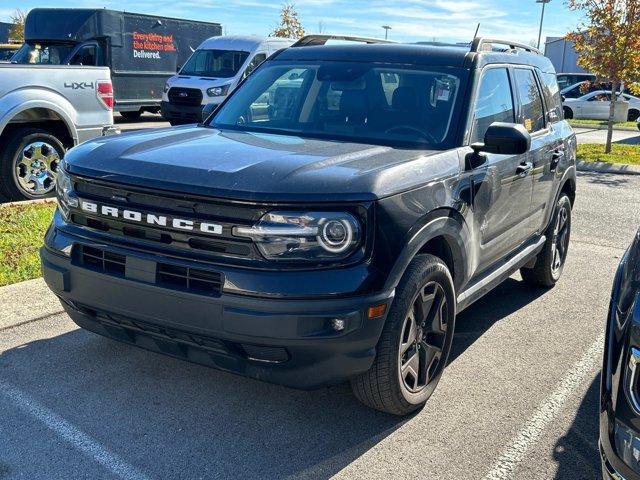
(620, 383)
(329, 220)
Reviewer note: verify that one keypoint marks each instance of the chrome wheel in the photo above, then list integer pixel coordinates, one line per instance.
(35, 168)
(423, 339)
(560, 242)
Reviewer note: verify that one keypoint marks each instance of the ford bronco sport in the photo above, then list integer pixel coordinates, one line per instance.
(329, 220)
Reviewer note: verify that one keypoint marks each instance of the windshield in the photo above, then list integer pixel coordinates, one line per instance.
(42, 54)
(214, 63)
(371, 103)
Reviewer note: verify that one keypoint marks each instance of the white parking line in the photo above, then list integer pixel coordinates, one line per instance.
(507, 463)
(71, 434)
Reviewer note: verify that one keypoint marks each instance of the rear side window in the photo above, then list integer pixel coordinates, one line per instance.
(532, 109)
(494, 102)
(551, 92)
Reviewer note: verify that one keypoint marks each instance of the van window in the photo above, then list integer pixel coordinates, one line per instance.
(255, 61)
(84, 56)
(551, 92)
(494, 102)
(531, 100)
(214, 63)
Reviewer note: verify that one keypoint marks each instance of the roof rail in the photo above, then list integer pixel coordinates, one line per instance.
(313, 40)
(481, 44)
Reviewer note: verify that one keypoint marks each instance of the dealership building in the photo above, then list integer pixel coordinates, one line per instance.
(563, 56)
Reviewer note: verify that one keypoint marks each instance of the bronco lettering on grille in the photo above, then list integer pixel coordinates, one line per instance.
(150, 219)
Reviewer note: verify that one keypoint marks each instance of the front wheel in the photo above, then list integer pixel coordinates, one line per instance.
(568, 113)
(550, 262)
(633, 115)
(415, 342)
(29, 164)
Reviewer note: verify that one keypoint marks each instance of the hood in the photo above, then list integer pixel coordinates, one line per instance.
(202, 83)
(257, 167)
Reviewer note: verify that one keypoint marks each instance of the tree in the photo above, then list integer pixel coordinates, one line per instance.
(608, 43)
(16, 33)
(290, 26)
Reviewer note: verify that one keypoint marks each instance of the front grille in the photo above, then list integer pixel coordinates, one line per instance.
(189, 279)
(185, 96)
(194, 241)
(102, 260)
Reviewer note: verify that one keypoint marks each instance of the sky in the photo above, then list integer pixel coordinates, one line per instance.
(410, 20)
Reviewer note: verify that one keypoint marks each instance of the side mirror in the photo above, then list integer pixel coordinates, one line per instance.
(502, 139)
(563, 98)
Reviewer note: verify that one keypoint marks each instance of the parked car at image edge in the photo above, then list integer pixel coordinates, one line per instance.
(45, 110)
(329, 221)
(620, 387)
(212, 72)
(595, 106)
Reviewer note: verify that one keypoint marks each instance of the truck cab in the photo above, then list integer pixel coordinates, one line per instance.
(213, 71)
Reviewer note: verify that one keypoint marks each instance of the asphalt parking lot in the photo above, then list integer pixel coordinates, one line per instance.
(518, 399)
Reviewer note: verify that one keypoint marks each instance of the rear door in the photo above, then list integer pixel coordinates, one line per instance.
(502, 196)
(547, 143)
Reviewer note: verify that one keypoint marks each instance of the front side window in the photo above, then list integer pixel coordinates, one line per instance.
(494, 102)
(531, 100)
(214, 63)
(356, 101)
(255, 61)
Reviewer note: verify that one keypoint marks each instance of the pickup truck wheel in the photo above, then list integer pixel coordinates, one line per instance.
(29, 163)
(550, 262)
(415, 342)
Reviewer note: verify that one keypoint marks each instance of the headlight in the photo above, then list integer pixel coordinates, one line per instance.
(64, 191)
(218, 91)
(304, 236)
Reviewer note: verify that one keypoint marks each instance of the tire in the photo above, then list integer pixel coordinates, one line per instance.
(568, 113)
(405, 373)
(131, 116)
(633, 115)
(550, 262)
(29, 163)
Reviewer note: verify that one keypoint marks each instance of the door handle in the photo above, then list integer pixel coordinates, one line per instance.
(524, 169)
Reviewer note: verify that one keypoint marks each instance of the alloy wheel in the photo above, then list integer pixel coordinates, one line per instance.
(560, 244)
(36, 167)
(423, 339)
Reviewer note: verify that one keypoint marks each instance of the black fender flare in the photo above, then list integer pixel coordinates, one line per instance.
(447, 223)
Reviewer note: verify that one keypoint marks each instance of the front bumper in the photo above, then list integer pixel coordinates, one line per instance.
(289, 342)
(181, 113)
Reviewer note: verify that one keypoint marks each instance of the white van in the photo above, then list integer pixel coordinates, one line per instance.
(212, 72)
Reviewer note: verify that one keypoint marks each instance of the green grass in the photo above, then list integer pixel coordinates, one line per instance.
(22, 229)
(602, 123)
(625, 154)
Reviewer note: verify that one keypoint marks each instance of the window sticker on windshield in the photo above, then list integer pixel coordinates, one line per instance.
(441, 91)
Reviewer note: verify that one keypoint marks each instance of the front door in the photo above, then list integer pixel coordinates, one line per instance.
(502, 193)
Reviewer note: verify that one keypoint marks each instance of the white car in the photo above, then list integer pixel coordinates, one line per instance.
(595, 106)
(212, 72)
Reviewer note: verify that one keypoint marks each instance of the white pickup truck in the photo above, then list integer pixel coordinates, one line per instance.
(44, 111)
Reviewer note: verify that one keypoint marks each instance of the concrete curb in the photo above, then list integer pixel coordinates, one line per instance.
(25, 302)
(604, 127)
(28, 202)
(603, 167)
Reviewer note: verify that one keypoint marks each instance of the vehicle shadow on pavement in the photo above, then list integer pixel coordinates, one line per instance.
(173, 419)
(472, 323)
(576, 453)
(608, 180)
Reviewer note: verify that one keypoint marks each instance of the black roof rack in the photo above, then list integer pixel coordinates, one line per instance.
(481, 44)
(313, 40)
